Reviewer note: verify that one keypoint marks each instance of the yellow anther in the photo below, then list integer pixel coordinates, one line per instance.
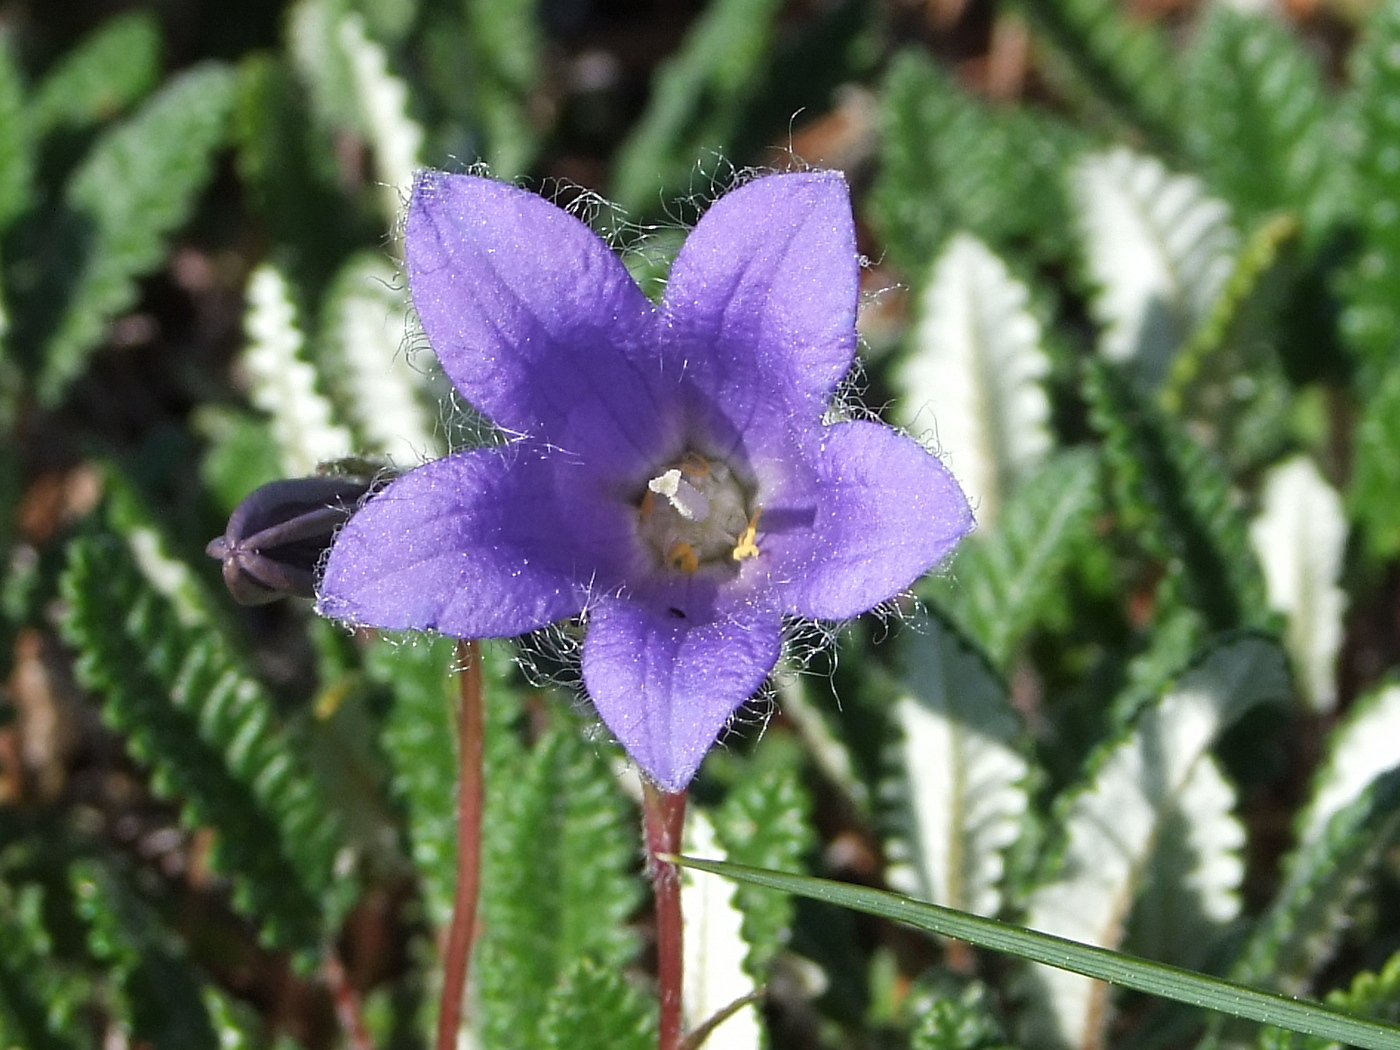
(746, 547)
(682, 556)
(694, 464)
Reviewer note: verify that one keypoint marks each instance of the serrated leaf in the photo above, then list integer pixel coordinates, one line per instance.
(107, 72)
(974, 374)
(1113, 824)
(1193, 879)
(1257, 116)
(395, 137)
(943, 167)
(366, 331)
(713, 942)
(422, 756)
(1001, 582)
(1359, 750)
(137, 185)
(17, 144)
(597, 1007)
(160, 994)
(557, 877)
(697, 99)
(1300, 537)
(1125, 65)
(1322, 877)
(957, 1022)
(282, 381)
(1159, 250)
(962, 784)
(1176, 499)
(40, 1000)
(1371, 317)
(207, 733)
(765, 821)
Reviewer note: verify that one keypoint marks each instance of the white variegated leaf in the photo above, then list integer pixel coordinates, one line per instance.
(1300, 536)
(714, 945)
(962, 787)
(367, 319)
(1363, 747)
(1159, 250)
(382, 99)
(974, 374)
(282, 382)
(1114, 822)
(1191, 890)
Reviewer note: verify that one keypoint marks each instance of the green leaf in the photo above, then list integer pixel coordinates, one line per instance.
(1359, 749)
(17, 144)
(160, 994)
(1125, 65)
(1159, 251)
(595, 1007)
(137, 185)
(975, 373)
(961, 789)
(961, 1021)
(41, 1001)
(507, 49)
(1002, 582)
(207, 732)
(1371, 319)
(1376, 472)
(1301, 927)
(698, 97)
(1257, 117)
(109, 71)
(1142, 975)
(556, 876)
(1177, 500)
(943, 168)
(765, 821)
(420, 743)
(1154, 789)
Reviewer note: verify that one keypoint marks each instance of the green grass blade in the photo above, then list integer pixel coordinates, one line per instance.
(1169, 982)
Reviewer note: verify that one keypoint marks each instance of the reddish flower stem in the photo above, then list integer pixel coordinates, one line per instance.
(470, 727)
(663, 816)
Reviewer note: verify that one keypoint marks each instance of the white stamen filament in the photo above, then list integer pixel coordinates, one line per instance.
(690, 503)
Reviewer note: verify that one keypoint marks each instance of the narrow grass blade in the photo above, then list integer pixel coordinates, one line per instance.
(1170, 982)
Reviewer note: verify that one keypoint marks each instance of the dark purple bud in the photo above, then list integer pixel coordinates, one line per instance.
(278, 534)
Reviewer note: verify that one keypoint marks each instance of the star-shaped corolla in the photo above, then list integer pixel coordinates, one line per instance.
(667, 472)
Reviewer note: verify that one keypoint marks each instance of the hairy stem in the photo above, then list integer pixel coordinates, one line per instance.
(457, 955)
(663, 815)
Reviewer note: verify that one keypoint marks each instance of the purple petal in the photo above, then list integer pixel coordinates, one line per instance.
(478, 545)
(888, 512)
(666, 686)
(761, 302)
(534, 318)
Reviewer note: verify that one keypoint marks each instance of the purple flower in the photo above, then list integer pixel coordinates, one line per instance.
(668, 473)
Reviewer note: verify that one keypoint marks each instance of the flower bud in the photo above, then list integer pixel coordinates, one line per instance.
(277, 535)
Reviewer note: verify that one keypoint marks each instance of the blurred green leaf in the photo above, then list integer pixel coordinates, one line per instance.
(1375, 476)
(504, 73)
(109, 71)
(17, 145)
(698, 97)
(944, 167)
(1257, 118)
(136, 186)
(595, 1007)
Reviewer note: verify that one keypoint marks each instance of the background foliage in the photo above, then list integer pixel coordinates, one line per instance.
(1132, 268)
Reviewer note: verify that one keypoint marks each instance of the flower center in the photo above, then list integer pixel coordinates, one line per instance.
(696, 513)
